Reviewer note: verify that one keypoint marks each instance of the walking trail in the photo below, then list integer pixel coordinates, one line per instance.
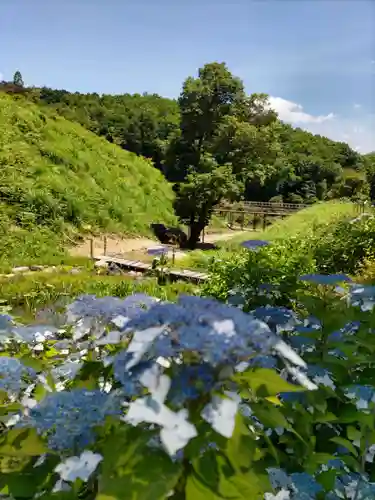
(137, 246)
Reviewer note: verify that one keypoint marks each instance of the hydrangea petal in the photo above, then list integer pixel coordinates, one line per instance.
(81, 467)
(221, 413)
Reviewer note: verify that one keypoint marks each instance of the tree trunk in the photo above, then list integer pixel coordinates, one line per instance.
(195, 230)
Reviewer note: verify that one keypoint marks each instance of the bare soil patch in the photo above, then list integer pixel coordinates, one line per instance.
(136, 248)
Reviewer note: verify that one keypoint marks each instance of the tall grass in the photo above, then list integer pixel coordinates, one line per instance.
(27, 294)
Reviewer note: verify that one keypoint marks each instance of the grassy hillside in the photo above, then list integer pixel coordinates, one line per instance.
(58, 178)
(311, 220)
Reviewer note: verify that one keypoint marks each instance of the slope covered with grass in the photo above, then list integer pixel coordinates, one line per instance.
(58, 178)
(309, 222)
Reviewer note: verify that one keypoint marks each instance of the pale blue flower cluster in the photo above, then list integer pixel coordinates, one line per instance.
(326, 279)
(255, 244)
(361, 395)
(189, 382)
(68, 418)
(14, 376)
(5, 322)
(107, 308)
(303, 486)
(216, 332)
(277, 318)
(362, 296)
(296, 486)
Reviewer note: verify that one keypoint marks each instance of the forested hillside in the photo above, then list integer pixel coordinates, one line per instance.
(214, 142)
(309, 167)
(145, 124)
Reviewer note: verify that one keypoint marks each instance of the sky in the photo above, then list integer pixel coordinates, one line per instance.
(315, 58)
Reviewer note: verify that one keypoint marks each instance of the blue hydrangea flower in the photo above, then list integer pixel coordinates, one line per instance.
(129, 378)
(362, 395)
(14, 376)
(278, 478)
(353, 485)
(351, 328)
(217, 332)
(304, 483)
(277, 318)
(254, 244)
(325, 279)
(189, 382)
(296, 486)
(303, 344)
(68, 418)
(6, 322)
(362, 296)
(107, 308)
(321, 376)
(159, 250)
(262, 361)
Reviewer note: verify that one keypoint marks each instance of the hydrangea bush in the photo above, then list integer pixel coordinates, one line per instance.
(144, 399)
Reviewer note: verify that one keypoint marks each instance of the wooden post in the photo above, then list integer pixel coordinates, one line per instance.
(203, 236)
(105, 245)
(173, 254)
(254, 222)
(264, 221)
(92, 248)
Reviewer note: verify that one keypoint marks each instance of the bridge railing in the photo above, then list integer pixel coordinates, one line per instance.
(275, 205)
(272, 208)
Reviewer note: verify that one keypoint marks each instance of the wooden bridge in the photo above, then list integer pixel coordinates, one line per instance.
(256, 213)
(143, 267)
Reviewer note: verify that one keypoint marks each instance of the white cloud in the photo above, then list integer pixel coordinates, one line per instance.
(357, 106)
(293, 113)
(357, 130)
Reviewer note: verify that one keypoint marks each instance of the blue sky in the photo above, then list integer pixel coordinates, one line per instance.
(315, 58)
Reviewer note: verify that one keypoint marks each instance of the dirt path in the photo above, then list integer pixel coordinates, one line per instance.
(116, 245)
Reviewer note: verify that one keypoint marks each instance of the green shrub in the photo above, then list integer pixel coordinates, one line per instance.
(276, 268)
(345, 245)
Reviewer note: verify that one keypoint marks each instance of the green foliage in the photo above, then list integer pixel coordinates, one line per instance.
(302, 223)
(262, 158)
(369, 163)
(277, 266)
(346, 245)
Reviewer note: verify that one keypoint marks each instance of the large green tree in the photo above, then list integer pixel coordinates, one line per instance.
(226, 140)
